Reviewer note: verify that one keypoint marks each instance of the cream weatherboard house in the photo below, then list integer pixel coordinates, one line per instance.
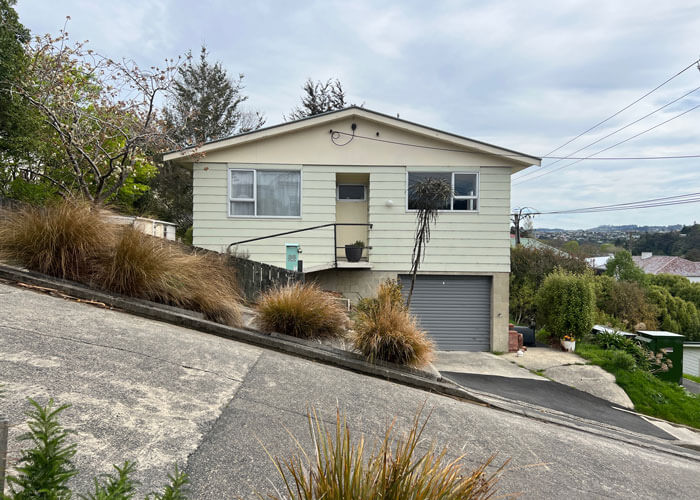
(348, 171)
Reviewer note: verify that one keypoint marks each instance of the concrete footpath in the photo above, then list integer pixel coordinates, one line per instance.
(161, 394)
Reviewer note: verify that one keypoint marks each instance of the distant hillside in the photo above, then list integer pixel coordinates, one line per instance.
(610, 229)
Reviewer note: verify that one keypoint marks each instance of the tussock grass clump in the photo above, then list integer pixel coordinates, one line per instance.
(72, 240)
(340, 467)
(137, 265)
(301, 310)
(61, 239)
(386, 330)
(205, 283)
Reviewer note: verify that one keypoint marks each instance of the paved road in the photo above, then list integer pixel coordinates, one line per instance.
(558, 397)
(160, 394)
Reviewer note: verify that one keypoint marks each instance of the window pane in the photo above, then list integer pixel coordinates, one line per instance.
(351, 192)
(279, 193)
(465, 184)
(241, 184)
(465, 205)
(414, 177)
(242, 208)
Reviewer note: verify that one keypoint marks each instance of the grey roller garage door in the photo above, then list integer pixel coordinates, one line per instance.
(455, 310)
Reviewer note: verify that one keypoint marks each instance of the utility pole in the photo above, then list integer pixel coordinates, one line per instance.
(517, 217)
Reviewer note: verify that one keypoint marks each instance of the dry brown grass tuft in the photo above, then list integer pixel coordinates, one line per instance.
(205, 283)
(72, 240)
(137, 265)
(301, 310)
(62, 239)
(385, 330)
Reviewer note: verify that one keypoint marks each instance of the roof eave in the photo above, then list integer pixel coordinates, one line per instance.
(262, 133)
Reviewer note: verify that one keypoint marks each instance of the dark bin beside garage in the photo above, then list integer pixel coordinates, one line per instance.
(672, 345)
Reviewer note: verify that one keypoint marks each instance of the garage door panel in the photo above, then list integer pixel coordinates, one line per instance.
(455, 310)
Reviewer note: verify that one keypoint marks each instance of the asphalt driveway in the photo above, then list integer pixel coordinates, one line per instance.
(558, 397)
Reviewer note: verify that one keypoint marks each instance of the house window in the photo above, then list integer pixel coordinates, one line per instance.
(465, 189)
(264, 193)
(351, 192)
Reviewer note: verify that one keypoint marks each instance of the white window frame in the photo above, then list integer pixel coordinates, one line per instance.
(454, 197)
(254, 199)
(364, 193)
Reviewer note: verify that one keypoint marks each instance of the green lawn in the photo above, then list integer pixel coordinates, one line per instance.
(650, 395)
(691, 377)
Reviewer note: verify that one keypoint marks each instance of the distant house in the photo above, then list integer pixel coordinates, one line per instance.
(535, 243)
(599, 264)
(331, 180)
(663, 264)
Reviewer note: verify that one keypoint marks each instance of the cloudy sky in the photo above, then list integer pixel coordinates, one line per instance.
(524, 75)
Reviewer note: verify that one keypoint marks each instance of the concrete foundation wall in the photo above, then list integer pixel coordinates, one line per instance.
(355, 284)
(500, 289)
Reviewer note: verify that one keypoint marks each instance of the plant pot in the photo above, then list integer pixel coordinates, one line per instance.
(353, 253)
(568, 345)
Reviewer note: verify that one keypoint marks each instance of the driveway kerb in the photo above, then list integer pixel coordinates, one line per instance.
(338, 358)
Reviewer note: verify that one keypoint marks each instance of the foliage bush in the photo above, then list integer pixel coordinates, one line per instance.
(529, 268)
(301, 310)
(678, 286)
(44, 469)
(623, 268)
(675, 314)
(396, 468)
(73, 240)
(385, 330)
(614, 341)
(626, 302)
(566, 304)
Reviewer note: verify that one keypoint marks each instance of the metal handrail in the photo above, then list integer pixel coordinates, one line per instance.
(335, 236)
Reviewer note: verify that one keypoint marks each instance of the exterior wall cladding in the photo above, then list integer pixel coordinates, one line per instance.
(462, 243)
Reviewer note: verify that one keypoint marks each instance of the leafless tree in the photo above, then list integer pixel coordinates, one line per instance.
(100, 116)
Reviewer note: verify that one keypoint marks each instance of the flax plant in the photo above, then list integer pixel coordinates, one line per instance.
(341, 468)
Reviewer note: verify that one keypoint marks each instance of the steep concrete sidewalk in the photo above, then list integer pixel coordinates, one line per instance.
(161, 394)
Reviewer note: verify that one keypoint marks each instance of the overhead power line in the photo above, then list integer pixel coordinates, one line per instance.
(571, 156)
(542, 174)
(649, 203)
(697, 61)
(516, 155)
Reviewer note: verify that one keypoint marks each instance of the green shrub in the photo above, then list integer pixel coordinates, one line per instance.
(623, 268)
(566, 304)
(609, 341)
(44, 469)
(339, 467)
(529, 268)
(675, 314)
(620, 360)
(385, 330)
(626, 302)
(678, 286)
(61, 239)
(543, 336)
(301, 310)
(187, 237)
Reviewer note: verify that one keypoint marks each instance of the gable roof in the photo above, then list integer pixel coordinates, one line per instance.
(353, 111)
(663, 264)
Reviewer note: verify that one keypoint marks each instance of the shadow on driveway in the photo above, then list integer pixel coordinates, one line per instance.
(557, 397)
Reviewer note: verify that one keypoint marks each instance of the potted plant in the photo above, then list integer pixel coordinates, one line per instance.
(568, 343)
(353, 252)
